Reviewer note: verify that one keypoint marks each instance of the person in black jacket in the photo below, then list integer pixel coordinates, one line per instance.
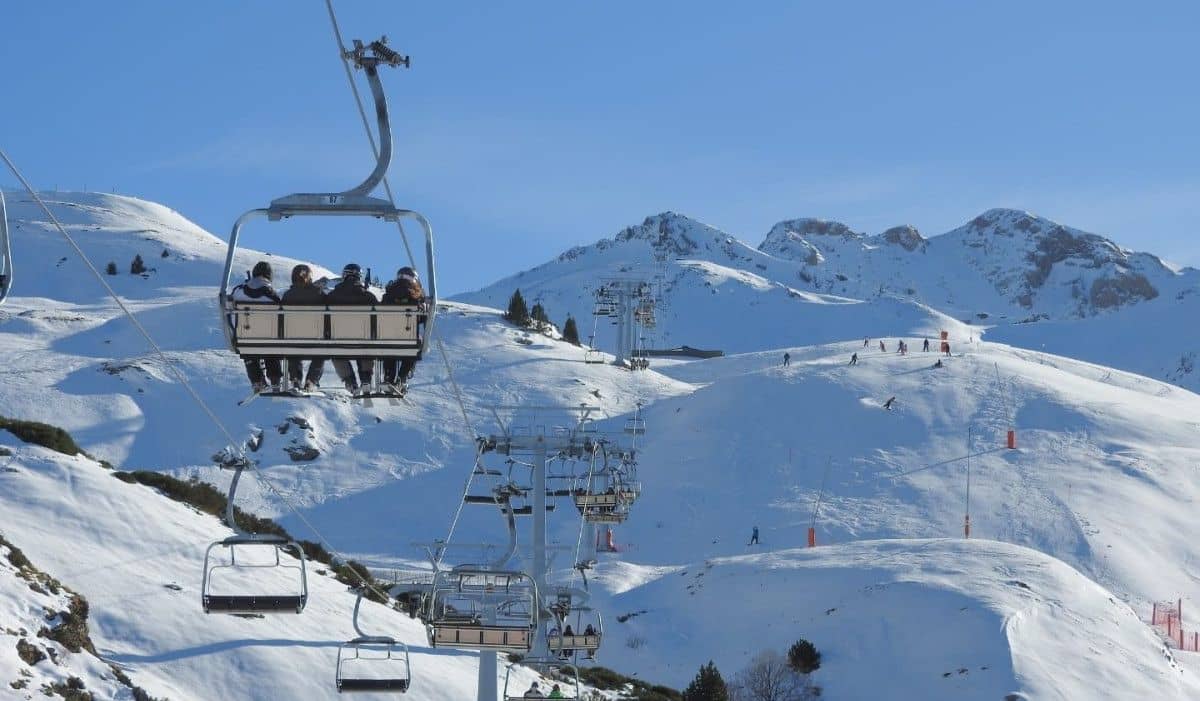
(352, 290)
(258, 290)
(303, 291)
(405, 289)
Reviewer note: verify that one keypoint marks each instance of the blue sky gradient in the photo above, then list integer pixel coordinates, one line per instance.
(526, 128)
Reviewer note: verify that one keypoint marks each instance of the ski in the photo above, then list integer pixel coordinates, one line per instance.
(253, 395)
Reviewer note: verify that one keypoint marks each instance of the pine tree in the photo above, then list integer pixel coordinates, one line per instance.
(707, 685)
(138, 266)
(517, 312)
(538, 314)
(111, 268)
(804, 657)
(570, 331)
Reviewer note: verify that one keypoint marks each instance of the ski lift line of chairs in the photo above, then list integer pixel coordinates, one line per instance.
(388, 670)
(461, 600)
(278, 602)
(306, 331)
(6, 263)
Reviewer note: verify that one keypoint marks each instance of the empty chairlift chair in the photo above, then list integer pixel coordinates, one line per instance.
(6, 276)
(474, 608)
(372, 663)
(367, 331)
(270, 576)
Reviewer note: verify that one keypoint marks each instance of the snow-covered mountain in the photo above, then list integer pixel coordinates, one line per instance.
(1004, 263)
(1101, 487)
(1010, 273)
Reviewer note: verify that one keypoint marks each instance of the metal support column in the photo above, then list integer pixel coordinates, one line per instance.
(538, 547)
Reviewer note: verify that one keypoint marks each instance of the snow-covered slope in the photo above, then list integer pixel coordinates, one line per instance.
(912, 619)
(1103, 479)
(135, 556)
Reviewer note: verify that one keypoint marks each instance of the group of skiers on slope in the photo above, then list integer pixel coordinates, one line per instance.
(267, 373)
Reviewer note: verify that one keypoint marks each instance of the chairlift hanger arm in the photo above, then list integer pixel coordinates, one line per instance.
(6, 262)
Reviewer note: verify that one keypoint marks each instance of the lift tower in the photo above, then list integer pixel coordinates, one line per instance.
(630, 301)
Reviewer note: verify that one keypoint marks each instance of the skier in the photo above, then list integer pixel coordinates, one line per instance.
(882, 348)
(787, 359)
(925, 348)
(590, 631)
(405, 289)
(568, 633)
(854, 358)
(946, 348)
(304, 291)
(888, 404)
(938, 364)
(534, 692)
(555, 693)
(258, 290)
(351, 290)
(753, 536)
(866, 342)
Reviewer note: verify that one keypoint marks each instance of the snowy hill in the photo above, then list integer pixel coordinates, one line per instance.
(914, 619)
(1103, 479)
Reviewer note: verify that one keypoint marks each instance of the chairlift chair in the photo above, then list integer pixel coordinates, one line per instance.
(635, 426)
(358, 671)
(324, 331)
(6, 264)
(593, 357)
(254, 602)
(578, 640)
(474, 608)
(542, 666)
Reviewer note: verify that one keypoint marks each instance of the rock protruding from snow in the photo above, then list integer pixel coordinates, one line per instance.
(906, 236)
(789, 239)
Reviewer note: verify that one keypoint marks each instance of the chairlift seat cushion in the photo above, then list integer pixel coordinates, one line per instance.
(372, 685)
(254, 604)
(516, 639)
(574, 642)
(320, 331)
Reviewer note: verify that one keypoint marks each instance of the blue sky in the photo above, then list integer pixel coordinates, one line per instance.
(525, 128)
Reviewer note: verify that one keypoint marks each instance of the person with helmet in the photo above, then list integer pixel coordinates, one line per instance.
(352, 290)
(258, 290)
(405, 289)
(304, 291)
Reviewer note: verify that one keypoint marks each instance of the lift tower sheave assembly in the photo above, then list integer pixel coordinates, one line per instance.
(630, 302)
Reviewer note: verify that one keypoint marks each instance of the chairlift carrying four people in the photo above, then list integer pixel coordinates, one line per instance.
(266, 328)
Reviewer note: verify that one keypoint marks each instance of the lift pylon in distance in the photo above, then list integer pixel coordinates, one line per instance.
(372, 663)
(270, 578)
(254, 329)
